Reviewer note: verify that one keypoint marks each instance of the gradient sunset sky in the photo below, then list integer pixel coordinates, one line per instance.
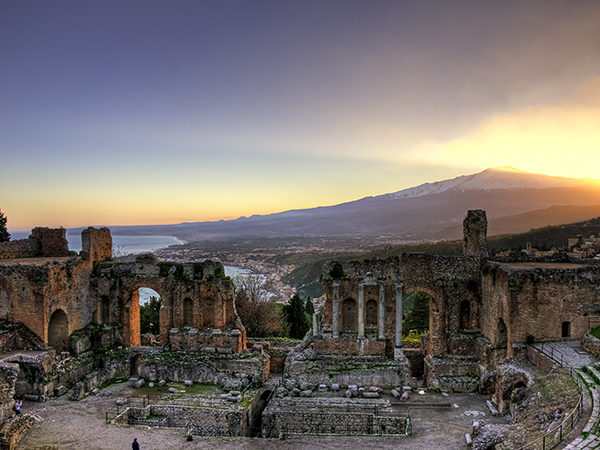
(151, 112)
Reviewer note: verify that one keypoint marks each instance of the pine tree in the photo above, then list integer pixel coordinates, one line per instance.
(4, 234)
(309, 307)
(297, 317)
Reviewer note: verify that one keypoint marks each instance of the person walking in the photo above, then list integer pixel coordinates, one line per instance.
(17, 407)
(135, 445)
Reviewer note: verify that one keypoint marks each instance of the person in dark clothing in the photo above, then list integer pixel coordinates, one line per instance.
(17, 407)
(135, 445)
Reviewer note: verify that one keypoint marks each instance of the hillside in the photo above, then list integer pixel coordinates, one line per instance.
(305, 277)
(427, 212)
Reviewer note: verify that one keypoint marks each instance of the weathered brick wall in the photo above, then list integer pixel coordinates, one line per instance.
(536, 301)
(96, 244)
(295, 416)
(226, 341)
(349, 345)
(23, 248)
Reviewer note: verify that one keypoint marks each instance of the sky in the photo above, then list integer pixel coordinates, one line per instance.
(151, 112)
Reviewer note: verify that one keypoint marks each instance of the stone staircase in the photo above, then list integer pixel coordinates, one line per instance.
(571, 356)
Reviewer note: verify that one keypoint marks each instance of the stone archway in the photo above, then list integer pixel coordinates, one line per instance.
(132, 332)
(58, 331)
(349, 315)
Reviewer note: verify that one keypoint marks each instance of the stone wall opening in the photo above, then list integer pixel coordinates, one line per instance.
(349, 316)
(501, 338)
(58, 331)
(416, 316)
(371, 319)
(566, 329)
(105, 310)
(144, 317)
(188, 312)
(465, 315)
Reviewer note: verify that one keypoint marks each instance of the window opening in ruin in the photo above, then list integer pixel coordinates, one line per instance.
(188, 312)
(349, 315)
(566, 329)
(58, 331)
(134, 365)
(501, 337)
(465, 315)
(105, 310)
(144, 317)
(371, 313)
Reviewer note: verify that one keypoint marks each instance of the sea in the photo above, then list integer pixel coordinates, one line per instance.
(127, 245)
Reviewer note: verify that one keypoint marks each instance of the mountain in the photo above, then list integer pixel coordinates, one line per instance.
(422, 212)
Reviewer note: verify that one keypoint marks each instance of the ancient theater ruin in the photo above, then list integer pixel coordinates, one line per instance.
(70, 325)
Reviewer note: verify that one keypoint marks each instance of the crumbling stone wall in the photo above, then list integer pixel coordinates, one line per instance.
(42, 242)
(536, 300)
(96, 244)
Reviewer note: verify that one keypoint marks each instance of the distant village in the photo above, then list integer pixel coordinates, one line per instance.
(578, 248)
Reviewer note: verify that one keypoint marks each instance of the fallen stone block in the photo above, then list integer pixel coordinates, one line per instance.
(224, 350)
(132, 381)
(492, 408)
(468, 439)
(60, 390)
(352, 387)
(224, 396)
(173, 390)
(350, 393)
(369, 394)
(139, 383)
(234, 393)
(375, 389)
(162, 383)
(188, 383)
(335, 386)
(217, 332)
(405, 396)
(306, 393)
(322, 388)
(406, 388)
(445, 394)
(151, 384)
(209, 350)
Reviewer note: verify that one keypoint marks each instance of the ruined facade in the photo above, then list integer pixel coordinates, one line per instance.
(54, 292)
(481, 312)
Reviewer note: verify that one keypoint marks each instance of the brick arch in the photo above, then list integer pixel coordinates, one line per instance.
(130, 307)
(58, 330)
(437, 319)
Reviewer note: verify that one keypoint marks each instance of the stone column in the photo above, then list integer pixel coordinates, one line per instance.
(398, 350)
(381, 320)
(361, 311)
(315, 324)
(336, 310)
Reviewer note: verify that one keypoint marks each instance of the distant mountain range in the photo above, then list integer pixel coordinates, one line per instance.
(514, 200)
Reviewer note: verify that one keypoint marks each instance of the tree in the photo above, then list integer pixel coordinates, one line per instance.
(297, 317)
(418, 316)
(150, 316)
(4, 234)
(309, 307)
(259, 312)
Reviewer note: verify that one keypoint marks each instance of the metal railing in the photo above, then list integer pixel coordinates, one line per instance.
(556, 435)
(138, 402)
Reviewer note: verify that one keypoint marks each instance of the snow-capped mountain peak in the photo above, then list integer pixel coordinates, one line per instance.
(504, 177)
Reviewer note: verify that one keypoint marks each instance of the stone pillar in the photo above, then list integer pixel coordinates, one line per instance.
(381, 320)
(336, 310)
(398, 346)
(361, 311)
(315, 324)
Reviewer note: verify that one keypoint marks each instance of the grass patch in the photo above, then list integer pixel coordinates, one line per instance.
(595, 332)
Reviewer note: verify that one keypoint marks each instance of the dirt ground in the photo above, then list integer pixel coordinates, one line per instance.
(68, 425)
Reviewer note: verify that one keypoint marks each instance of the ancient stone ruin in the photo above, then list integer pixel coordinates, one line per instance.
(70, 324)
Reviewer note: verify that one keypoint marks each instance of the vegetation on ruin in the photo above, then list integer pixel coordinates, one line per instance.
(595, 332)
(417, 318)
(4, 234)
(259, 312)
(548, 400)
(298, 320)
(150, 316)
